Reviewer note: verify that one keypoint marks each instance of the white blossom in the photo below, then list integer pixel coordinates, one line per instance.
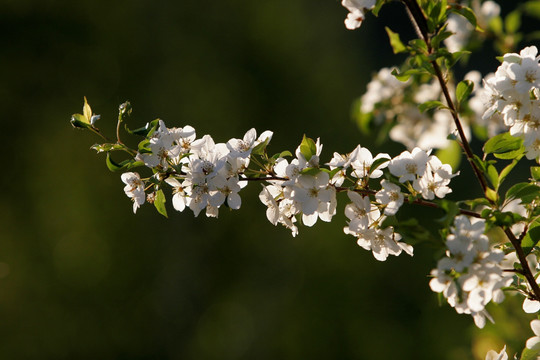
(134, 189)
(391, 196)
(534, 342)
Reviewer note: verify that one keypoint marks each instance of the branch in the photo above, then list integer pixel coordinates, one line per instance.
(524, 264)
(418, 19)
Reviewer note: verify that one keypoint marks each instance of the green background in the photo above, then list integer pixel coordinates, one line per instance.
(82, 277)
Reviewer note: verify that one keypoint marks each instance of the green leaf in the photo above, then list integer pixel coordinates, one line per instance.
(331, 173)
(454, 57)
(502, 143)
(378, 7)
(504, 173)
(310, 171)
(535, 173)
(159, 202)
(87, 111)
(463, 90)
(450, 155)
(432, 104)
(466, 12)
(496, 25)
(395, 41)
(405, 75)
(144, 148)
(79, 121)
(124, 165)
(308, 148)
(440, 37)
(506, 218)
(493, 176)
(491, 195)
(481, 164)
(529, 354)
(512, 22)
(531, 238)
(477, 202)
(376, 163)
(260, 149)
(524, 191)
(532, 8)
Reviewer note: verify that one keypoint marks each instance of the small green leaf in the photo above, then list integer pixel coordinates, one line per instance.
(87, 111)
(477, 202)
(492, 195)
(308, 148)
(502, 143)
(450, 155)
(159, 202)
(529, 354)
(405, 75)
(524, 191)
(493, 176)
(330, 173)
(512, 22)
(285, 153)
(532, 8)
(432, 104)
(440, 37)
(79, 121)
(376, 163)
(395, 41)
(481, 164)
(466, 12)
(535, 173)
(111, 164)
(142, 131)
(454, 57)
(124, 165)
(260, 149)
(310, 171)
(504, 173)
(378, 7)
(531, 238)
(496, 25)
(463, 90)
(144, 147)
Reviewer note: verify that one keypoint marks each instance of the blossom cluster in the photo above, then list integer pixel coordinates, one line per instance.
(470, 275)
(389, 99)
(512, 94)
(202, 174)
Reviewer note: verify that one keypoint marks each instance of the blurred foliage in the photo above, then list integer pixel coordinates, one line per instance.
(81, 277)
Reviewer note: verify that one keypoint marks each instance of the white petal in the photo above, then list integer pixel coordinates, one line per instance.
(530, 307)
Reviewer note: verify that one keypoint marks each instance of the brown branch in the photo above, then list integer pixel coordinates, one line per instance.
(418, 19)
(524, 264)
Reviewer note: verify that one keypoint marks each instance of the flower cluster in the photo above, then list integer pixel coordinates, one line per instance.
(389, 100)
(462, 29)
(202, 174)
(513, 95)
(470, 276)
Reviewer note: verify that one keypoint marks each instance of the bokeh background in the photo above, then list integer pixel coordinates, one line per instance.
(82, 277)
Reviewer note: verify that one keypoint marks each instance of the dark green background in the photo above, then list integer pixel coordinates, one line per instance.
(82, 277)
